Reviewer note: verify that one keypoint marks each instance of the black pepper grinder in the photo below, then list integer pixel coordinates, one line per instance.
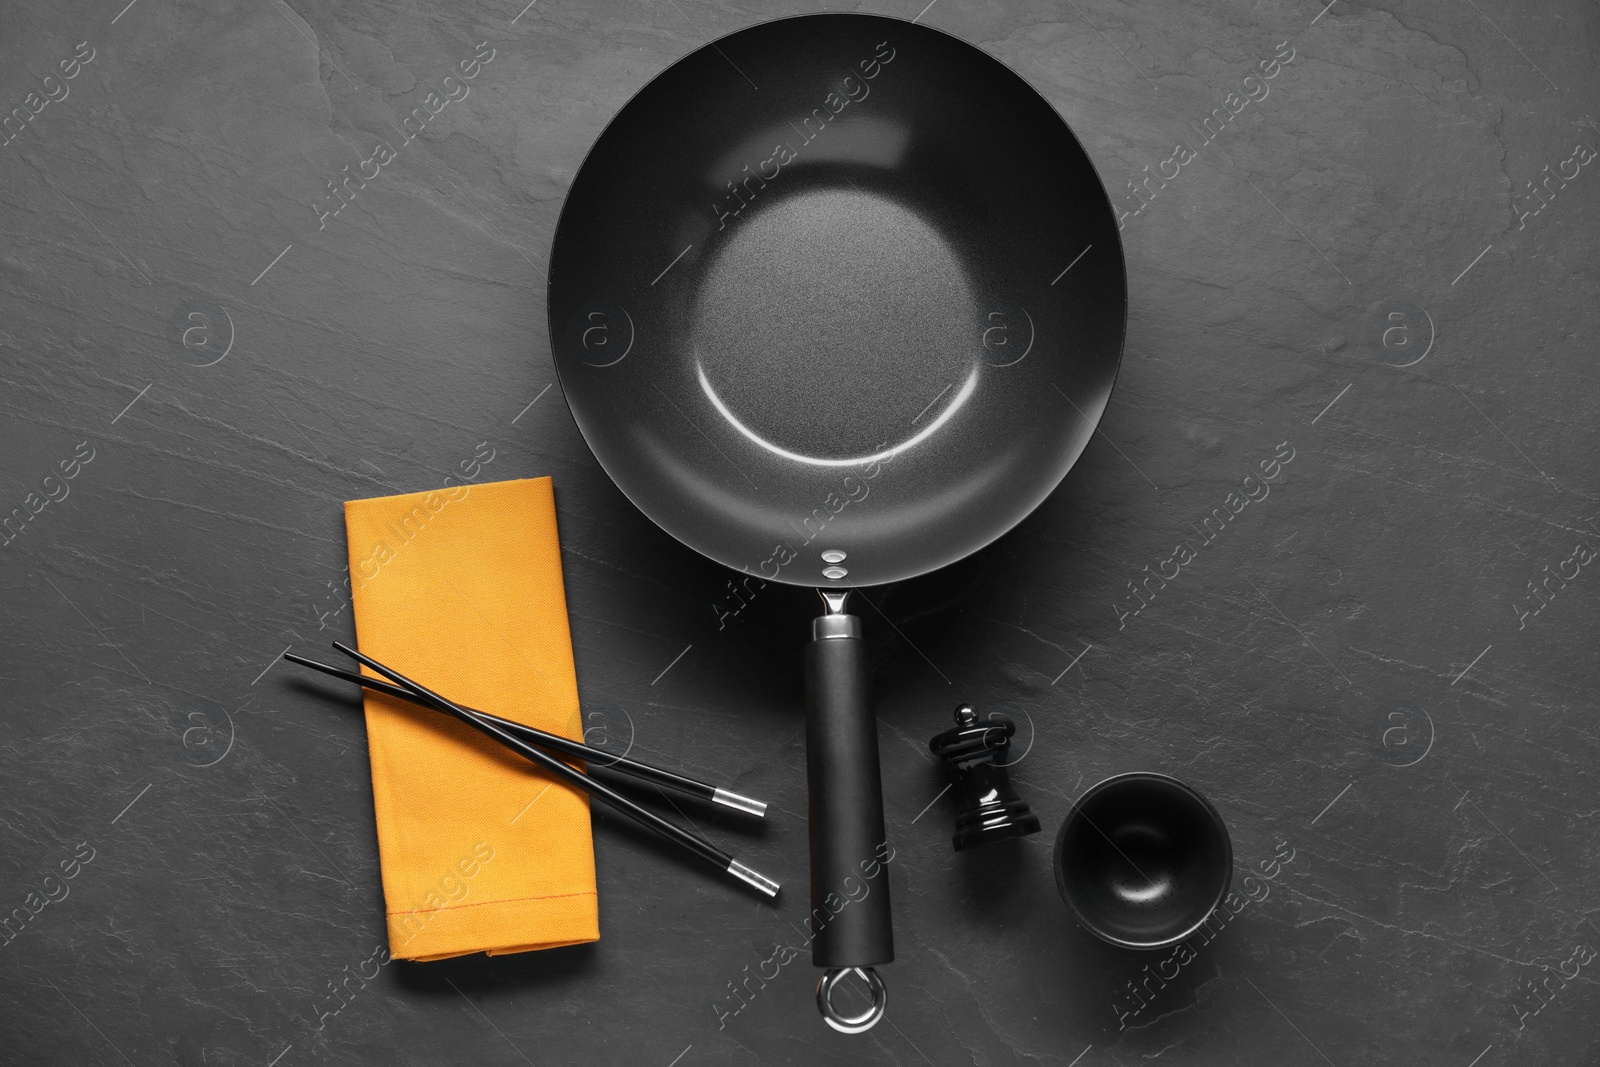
(976, 751)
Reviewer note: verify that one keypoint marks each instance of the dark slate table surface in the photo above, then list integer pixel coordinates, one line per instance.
(1398, 730)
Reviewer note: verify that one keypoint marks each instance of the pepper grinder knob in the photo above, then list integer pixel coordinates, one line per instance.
(990, 809)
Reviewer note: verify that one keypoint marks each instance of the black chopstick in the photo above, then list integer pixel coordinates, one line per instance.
(566, 746)
(704, 849)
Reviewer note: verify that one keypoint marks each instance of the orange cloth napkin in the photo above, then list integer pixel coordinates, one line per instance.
(461, 589)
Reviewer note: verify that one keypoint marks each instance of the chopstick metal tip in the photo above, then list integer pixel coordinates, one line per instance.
(755, 878)
(729, 799)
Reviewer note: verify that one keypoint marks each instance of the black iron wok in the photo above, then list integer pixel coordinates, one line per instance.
(837, 300)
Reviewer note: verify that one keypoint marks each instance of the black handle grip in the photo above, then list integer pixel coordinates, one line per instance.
(850, 852)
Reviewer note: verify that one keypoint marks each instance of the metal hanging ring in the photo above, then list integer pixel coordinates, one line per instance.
(852, 1024)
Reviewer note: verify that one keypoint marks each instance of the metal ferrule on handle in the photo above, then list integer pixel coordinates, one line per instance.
(850, 916)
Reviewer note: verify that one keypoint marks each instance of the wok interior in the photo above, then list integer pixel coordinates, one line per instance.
(854, 344)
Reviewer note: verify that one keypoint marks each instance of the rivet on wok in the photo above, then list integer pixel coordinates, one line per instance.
(834, 572)
(833, 555)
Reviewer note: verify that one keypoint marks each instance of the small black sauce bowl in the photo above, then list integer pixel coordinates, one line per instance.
(1142, 860)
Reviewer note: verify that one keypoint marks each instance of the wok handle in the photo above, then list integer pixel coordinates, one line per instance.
(850, 852)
